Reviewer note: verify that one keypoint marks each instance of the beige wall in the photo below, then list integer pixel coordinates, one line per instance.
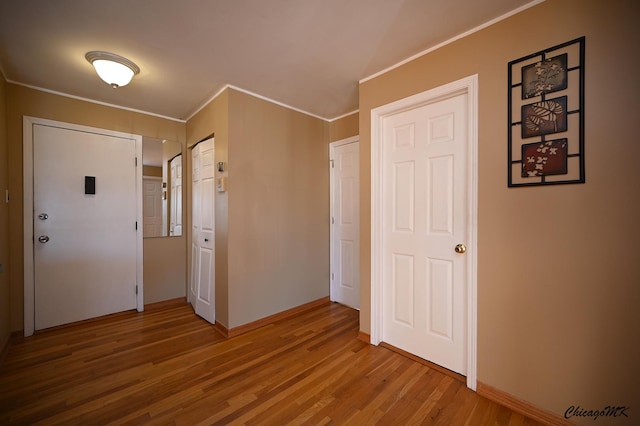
(272, 232)
(152, 171)
(558, 277)
(164, 268)
(278, 208)
(25, 101)
(4, 219)
(344, 127)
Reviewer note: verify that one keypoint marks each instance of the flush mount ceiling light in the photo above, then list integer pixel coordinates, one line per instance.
(115, 70)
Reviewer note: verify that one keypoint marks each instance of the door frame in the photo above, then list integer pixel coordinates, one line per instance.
(28, 187)
(468, 86)
(332, 147)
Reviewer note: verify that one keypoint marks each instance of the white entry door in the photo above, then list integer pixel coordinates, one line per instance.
(345, 223)
(202, 288)
(424, 209)
(84, 225)
(175, 213)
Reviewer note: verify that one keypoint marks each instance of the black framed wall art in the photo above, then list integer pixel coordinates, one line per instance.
(546, 116)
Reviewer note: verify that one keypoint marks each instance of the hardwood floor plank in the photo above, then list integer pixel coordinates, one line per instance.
(169, 367)
(460, 409)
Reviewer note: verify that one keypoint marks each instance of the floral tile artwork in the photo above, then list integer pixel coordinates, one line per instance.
(544, 158)
(549, 75)
(544, 117)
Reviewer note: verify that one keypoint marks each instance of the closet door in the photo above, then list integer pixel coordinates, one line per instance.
(202, 286)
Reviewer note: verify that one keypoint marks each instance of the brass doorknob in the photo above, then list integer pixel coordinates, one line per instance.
(461, 248)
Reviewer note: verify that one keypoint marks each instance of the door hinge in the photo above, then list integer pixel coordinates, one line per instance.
(332, 165)
(332, 276)
(136, 161)
(136, 225)
(136, 289)
(333, 221)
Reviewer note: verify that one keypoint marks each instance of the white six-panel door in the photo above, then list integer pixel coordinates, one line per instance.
(425, 207)
(175, 212)
(345, 223)
(202, 286)
(152, 206)
(85, 245)
(424, 203)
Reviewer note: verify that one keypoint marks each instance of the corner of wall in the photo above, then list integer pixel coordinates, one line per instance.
(344, 127)
(20, 101)
(278, 205)
(212, 119)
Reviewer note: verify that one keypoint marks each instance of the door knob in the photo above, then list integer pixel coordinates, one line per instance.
(43, 238)
(460, 248)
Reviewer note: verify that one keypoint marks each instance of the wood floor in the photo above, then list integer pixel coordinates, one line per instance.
(170, 367)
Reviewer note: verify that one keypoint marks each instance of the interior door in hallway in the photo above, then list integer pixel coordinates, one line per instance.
(84, 223)
(152, 206)
(425, 228)
(175, 212)
(345, 223)
(202, 287)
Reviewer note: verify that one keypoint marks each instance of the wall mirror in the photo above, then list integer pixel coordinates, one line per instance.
(161, 188)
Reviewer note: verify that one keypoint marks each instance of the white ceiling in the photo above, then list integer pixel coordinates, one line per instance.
(307, 54)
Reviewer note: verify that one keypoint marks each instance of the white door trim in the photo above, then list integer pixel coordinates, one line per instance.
(468, 85)
(27, 176)
(332, 147)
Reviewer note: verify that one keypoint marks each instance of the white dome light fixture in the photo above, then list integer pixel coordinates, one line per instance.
(115, 70)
